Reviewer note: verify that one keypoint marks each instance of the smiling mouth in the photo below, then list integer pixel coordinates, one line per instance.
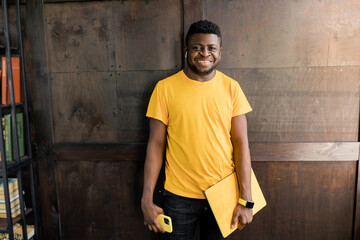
(204, 62)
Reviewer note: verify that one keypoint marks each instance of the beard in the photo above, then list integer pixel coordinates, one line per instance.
(197, 71)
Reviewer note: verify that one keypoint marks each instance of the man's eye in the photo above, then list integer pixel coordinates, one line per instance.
(196, 48)
(212, 48)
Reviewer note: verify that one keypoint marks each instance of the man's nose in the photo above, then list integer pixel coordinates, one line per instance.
(204, 52)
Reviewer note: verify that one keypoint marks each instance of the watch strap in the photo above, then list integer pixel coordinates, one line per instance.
(247, 204)
(242, 202)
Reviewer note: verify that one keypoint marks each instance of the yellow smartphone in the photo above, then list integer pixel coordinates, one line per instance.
(165, 223)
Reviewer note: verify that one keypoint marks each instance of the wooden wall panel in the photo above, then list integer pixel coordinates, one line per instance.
(148, 34)
(193, 11)
(84, 107)
(310, 190)
(287, 33)
(40, 117)
(301, 104)
(134, 90)
(91, 196)
(310, 152)
(14, 38)
(132, 182)
(80, 37)
(306, 200)
(297, 61)
(102, 199)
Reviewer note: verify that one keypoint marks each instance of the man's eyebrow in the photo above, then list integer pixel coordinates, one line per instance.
(210, 44)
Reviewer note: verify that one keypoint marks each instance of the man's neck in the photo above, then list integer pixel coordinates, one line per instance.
(200, 78)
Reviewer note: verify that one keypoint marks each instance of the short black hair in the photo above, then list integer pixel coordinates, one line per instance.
(203, 26)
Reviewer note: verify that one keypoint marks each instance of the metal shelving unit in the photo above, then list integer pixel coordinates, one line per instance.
(19, 163)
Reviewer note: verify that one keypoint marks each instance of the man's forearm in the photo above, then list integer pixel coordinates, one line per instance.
(243, 169)
(153, 164)
(154, 158)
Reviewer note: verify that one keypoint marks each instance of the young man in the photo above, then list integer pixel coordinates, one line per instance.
(199, 113)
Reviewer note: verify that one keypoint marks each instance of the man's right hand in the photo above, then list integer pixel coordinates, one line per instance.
(151, 212)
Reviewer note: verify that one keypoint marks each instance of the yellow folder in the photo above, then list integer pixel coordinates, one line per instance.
(223, 198)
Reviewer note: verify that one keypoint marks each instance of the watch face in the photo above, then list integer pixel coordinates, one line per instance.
(249, 204)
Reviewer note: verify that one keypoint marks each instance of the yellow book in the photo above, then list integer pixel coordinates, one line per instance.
(13, 196)
(12, 183)
(13, 203)
(223, 198)
(18, 232)
(14, 212)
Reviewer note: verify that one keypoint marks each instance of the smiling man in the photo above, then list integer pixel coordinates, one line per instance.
(200, 113)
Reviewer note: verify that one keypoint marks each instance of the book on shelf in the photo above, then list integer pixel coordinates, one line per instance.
(4, 83)
(13, 202)
(20, 132)
(12, 183)
(6, 122)
(13, 196)
(18, 232)
(7, 130)
(5, 96)
(15, 211)
(18, 235)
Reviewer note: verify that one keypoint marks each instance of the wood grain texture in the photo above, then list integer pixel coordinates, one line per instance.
(148, 34)
(63, 1)
(14, 37)
(300, 189)
(289, 152)
(84, 107)
(103, 200)
(297, 62)
(301, 104)
(260, 152)
(80, 37)
(258, 34)
(305, 200)
(96, 152)
(193, 11)
(39, 96)
(93, 196)
(134, 89)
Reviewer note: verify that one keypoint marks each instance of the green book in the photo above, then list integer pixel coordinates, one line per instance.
(20, 132)
(7, 137)
(9, 150)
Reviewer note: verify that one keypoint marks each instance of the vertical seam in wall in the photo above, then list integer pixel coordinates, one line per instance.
(48, 75)
(202, 10)
(51, 118)
(117, 72)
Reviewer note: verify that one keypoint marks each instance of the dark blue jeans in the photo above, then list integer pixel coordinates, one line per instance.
(188, 214)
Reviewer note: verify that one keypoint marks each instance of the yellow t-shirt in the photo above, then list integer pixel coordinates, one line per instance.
(198, 115)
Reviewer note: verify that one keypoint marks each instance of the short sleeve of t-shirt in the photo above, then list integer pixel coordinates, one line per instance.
(157, 107)
(240, 103)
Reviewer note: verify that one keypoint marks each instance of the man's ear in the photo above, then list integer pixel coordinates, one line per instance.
(185, 52)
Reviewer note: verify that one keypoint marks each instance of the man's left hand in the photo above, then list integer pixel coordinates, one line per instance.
(242, 215)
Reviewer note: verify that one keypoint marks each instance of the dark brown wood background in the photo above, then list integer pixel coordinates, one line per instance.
(92, 65)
